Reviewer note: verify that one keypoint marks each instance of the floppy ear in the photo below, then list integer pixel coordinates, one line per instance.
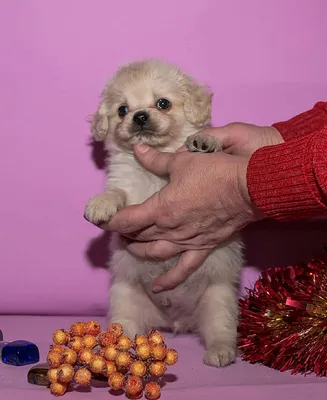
(197, 103)
(99, 122)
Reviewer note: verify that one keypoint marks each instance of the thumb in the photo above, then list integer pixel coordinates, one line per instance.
(153, 160)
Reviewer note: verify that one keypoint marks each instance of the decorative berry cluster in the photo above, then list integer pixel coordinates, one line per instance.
(131, 366)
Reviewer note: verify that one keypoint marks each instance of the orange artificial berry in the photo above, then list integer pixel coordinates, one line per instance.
(109, 368)
(171, 357)
(143, 351)
(124, 343)
(65, 373)
(110, 353)
(155, 337)
(77, 329)
(89, 341)
(107, 338)
(116, 381)
(58, 388)
(92, 328)
(76, 343)
(158, 351)
(69, 356)
(116, 329)
(85, 356)
(53, 375)
(101, 351)
(152, 391)
(57, 347)
(54, 359)
(138, 368)
(83, 377)
(98, 364)
(133, 387)
(60, 336)
(140, 339)
(157, 368)
(123, 360)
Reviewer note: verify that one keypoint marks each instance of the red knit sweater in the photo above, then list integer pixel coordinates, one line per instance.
(289, 181)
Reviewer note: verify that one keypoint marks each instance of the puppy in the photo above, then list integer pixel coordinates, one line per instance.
(155, 103)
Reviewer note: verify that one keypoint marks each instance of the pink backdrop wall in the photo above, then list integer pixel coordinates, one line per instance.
(265, 60)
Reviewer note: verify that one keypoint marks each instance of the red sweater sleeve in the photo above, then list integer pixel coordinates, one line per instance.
(308, 122)
(289, 181)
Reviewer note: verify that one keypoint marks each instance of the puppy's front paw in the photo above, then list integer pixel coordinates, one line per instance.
(101, 208)
(220, 356)
(199, 142)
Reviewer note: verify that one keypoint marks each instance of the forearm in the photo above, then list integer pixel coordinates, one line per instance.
(289, 181)
(305, 123)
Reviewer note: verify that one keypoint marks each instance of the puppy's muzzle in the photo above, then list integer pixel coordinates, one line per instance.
(141, 118)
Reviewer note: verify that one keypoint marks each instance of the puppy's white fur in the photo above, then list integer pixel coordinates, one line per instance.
(206, 302)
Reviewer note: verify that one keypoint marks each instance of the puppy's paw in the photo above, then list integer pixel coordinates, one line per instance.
(199, 142)
(220, 356)
(101, 208)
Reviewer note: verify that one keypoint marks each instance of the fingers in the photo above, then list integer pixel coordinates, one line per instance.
(159, 250)
(135, 218)
(187, 264)
(154, 161)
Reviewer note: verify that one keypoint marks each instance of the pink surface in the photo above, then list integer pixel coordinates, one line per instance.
(265, 61)
(189, 379)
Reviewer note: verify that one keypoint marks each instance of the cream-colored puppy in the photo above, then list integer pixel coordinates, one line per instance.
(155, 103)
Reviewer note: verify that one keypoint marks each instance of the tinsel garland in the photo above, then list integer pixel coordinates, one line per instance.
(283, 321)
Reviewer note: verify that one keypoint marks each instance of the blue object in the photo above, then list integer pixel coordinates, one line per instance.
(20, 352)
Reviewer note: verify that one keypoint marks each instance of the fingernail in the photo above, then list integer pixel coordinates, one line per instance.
(142, 148)
(157, 289)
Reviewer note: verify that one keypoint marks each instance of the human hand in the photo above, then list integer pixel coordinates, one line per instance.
(244, 139)
(174, 222)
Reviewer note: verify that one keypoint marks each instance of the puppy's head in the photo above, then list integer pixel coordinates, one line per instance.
(150, 102)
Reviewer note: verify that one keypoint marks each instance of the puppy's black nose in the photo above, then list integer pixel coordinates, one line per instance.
(140, 118)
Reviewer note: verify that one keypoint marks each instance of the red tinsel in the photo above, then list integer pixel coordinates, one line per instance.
(283, 321)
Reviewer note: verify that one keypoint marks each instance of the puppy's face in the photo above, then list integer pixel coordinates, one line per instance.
(150, 102)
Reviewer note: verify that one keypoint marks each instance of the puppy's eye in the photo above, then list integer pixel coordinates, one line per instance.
(122, 111)
(163, 104)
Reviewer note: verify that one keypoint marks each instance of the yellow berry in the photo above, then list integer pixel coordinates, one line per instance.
(85, 356)
(54, 359)
(152, 391)
(53, 375)
(58, 388)
(157, 368)
(138, 368)
(171, 357)
(77, 329)
(89, 341)
(110, 353)
(140, 339)
(143, 351)
(76, 343)
(69, 356)
(155, 337)
(123, 360)
(124, 343)
(109, 368)
(116, 329)
(57, 347)
(92, 328)
(60, 337)
(98, 364)
(65, 373)
(83, 377)
(158, 351)
(116, 381)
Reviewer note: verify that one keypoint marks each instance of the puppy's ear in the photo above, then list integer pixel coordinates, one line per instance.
(197, 103)
(99, 122)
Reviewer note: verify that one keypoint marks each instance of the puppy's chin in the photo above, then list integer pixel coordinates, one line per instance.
(126, 140)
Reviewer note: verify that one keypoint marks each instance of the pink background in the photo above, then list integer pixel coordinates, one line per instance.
(265, 61)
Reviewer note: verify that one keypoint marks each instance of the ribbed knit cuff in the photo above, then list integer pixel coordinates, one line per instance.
(282, 183)
(304, 124)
